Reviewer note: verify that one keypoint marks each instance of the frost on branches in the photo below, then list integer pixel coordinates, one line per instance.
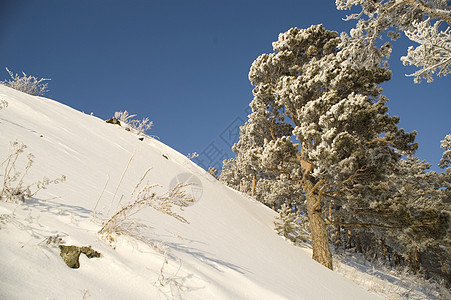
(413, 17)
(136, 126)
(348, 143)
(434, 52)
(287, 221)
(420, 201)
(445, 161)
(26, 83)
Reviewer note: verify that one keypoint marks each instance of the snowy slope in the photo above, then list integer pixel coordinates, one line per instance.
(228, 250)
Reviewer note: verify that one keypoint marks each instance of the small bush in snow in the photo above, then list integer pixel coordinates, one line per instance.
(136, 126)
(120, 222)
(3, 104)
(292, 225)
(286, 221)
(213, 172)
(13, 187)
(27, 84)
(192, 155)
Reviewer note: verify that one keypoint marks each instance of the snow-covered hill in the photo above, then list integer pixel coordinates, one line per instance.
(228, 250)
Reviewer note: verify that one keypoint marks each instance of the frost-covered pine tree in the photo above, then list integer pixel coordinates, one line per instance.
(260, 126)
(275, 190)
(230, 174)
(270, 188)
(425, 22)
(420, 210)
(347, 141)
(287, 221)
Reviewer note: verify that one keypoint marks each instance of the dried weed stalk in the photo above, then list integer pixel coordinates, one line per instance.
(13, 188)
(120, 222)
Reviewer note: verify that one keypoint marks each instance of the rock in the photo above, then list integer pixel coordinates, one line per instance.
(71, 254)
(89, 252)
(114, 121)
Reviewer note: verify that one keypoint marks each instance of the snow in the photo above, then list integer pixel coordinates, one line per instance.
(229, 249)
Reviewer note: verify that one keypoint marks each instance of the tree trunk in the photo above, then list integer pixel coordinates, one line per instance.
(349, 244)
(442, 260)
(254, 183)
(320, 240)
(337, 243)
(358, 243)
(414, 261)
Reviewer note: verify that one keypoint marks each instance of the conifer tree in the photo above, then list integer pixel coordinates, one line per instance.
(287, 221)
(408, 220)
(230, 174)
(307, 90)
(275, 190)
(260, 127)
(420, 207)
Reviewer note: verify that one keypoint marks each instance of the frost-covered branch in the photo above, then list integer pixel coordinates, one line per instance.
(445, 161)
(137, 126)
(27, 84)
(433, 53)
(409, 16)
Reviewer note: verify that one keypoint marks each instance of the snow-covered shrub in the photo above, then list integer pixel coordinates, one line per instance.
(13, 187)
(213, 172)
(286, 222)
(26, 83)
(3, 104)
(193, 155)
(291, 224)
(136, 126)
(120, 222)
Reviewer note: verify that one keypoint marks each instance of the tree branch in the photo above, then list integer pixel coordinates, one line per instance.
(432, 12)
(356, 224)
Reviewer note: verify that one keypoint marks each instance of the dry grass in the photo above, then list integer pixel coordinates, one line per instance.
(143, 196)
(13, 187)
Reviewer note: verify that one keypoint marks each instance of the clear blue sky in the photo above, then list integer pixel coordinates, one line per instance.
(184, 64)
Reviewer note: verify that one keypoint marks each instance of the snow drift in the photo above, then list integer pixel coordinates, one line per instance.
(228, 250)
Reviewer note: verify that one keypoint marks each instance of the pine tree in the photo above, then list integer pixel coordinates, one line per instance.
(230, 175)
(347, 141)
(276, 190)
(410, 220)
(421, 206)
(287, 221)
(251, 143)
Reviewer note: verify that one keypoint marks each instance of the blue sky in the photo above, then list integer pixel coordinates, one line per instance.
(184, 64)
